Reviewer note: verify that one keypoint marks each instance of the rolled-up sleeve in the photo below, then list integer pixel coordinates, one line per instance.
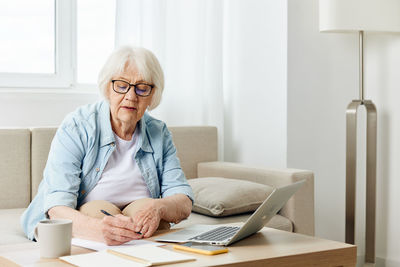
(173, 180)
(62, 173)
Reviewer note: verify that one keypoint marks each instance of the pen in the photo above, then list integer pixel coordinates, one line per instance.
(108, 214)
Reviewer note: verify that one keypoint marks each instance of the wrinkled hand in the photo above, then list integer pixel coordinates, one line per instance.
(147, 219)
(118, 229)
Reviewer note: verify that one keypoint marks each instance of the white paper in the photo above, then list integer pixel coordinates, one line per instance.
(98, 246)
(154, 255)
(100, 259)
(28, 258)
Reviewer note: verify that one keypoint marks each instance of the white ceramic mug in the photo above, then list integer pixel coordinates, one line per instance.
(54, 237)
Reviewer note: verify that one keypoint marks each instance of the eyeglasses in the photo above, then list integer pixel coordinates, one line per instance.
(141, 89)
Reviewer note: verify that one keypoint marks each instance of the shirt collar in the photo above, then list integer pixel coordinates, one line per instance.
(144, 139)
(106, 133)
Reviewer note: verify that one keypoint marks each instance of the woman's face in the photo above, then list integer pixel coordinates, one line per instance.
(127, 109)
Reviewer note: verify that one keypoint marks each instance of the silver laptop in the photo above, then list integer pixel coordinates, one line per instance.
(226, 235)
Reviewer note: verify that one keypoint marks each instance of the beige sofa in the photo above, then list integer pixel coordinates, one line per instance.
(23, 155)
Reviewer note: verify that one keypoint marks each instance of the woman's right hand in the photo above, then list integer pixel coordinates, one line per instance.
(118, 230)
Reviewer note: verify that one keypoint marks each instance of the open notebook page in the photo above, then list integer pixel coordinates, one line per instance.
(151, 255)
(100, 259)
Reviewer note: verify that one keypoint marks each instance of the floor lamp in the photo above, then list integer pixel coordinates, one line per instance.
(360, 16)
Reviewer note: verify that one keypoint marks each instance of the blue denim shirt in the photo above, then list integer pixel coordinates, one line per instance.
(80, 151)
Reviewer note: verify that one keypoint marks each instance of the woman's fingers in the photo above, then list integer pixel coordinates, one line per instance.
(152, 227)
(113, 240)
(138, 224)
(120, 221)
(144, 229)
(146, 222)
(118, 230)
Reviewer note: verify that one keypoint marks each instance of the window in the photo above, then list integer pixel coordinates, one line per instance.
(96, 22)
(27, 36)
(54, 43)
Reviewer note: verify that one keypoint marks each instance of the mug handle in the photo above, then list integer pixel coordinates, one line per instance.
(36, 233)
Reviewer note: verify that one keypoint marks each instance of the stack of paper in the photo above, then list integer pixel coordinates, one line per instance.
(145, 255)
(98, 246)
(100, 259)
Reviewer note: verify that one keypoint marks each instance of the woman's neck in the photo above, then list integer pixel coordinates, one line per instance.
(123, 130)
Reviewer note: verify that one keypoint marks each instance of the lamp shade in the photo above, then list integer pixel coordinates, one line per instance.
(359, 15)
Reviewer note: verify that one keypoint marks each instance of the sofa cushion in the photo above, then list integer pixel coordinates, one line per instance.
(41, 142)
(15, 168)
(277, 222)
(10, 227)
(216, 196)
(195, 144)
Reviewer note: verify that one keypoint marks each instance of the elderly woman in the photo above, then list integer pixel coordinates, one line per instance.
(113, 156)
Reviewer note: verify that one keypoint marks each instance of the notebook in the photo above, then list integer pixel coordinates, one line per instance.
(99, 259)
(225, 234)
(139, 256)
(150, 255)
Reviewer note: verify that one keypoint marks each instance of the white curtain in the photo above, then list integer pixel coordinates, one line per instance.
(186, 36)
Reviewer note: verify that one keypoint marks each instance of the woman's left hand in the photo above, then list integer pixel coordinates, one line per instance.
(147, 219)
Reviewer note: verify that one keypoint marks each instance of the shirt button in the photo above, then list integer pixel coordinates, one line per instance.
(97, 169)
(83, 192)
(112, 144)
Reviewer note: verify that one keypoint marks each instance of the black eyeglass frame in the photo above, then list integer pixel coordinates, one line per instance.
(130, 86)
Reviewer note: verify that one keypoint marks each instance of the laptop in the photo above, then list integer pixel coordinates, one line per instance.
(224, 234)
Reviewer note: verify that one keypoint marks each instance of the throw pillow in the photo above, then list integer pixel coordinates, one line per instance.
(217, 197)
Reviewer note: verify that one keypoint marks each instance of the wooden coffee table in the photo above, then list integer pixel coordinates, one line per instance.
(268, 247)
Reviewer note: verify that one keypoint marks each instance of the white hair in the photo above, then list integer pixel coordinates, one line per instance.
(146, 63)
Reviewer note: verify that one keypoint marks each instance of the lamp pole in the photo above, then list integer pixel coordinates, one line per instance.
(361, 64)
(351, 164)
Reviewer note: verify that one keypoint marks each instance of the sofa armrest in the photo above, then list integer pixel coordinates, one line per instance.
(300, 207)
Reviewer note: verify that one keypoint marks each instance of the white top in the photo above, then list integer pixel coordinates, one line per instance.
(121, 181)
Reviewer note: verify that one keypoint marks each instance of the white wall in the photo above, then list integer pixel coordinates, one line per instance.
(255, 82)
(383, 79)
(322, 80)
(26, 108)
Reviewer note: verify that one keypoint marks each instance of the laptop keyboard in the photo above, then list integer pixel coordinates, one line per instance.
(217, 234)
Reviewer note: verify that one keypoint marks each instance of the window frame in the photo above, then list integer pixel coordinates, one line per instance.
(65, 54)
